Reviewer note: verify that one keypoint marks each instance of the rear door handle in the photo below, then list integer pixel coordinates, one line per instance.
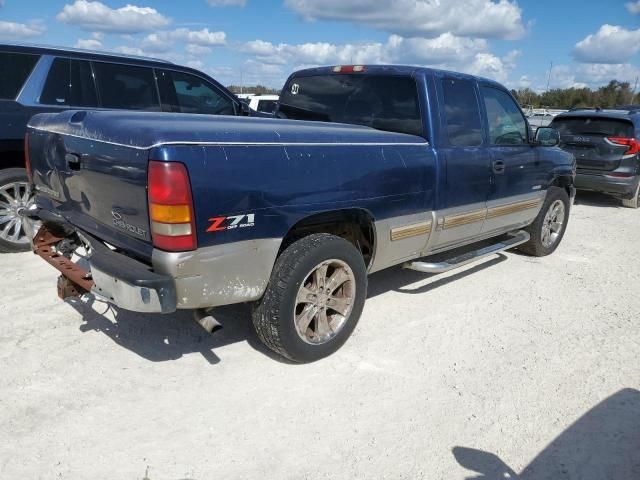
(73, 161)
(498, 166)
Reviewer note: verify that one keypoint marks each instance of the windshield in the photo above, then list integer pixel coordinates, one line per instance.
(382, 102)
(609, 127)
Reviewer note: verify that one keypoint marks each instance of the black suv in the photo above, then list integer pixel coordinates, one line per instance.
(606, 146)
(47, 79)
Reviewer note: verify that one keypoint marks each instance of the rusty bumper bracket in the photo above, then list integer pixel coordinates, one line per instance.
(74, 280)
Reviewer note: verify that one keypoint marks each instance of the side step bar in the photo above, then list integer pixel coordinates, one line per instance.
(515, 239)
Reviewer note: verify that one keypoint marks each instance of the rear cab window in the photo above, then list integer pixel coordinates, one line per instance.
(15, 68)
(126, 87)
(383, 102)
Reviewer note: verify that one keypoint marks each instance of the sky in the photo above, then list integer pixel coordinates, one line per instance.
(262, 41)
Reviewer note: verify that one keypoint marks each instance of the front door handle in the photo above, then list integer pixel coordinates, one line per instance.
(498, 166)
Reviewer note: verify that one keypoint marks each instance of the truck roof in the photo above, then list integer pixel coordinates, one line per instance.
(79, 53)
(407, 70)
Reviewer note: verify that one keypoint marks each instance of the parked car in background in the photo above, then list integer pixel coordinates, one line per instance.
(539, 120)
(292, 215)
(607, 150)
(37, 79)
(264, 103)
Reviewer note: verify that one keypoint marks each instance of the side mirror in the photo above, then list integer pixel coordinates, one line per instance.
(245, 110)
(547, 137)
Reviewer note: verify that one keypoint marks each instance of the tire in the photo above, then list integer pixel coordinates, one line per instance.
(280, 316)
(633, 202)
(14, 195)
(537, 246)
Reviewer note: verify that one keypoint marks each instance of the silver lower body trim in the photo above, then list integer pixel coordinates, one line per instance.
(221, 274)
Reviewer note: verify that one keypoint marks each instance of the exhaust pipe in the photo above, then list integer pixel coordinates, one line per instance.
(203, 317)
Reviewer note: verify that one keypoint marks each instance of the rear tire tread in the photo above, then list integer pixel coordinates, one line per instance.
(267, 311)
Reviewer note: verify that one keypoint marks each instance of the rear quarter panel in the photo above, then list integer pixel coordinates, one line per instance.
(281, 184)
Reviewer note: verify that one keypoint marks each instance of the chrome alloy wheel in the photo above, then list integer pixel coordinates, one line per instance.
(14, 198)
(552, 224)
(324, 301)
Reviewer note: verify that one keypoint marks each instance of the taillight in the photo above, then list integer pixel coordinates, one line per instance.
(171, 213)
(27, 160)
(632, 143)
(621, 174)
(348, 69)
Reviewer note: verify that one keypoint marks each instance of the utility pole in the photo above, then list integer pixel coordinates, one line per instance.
(549, 77)
(241, 83)
(633, 92)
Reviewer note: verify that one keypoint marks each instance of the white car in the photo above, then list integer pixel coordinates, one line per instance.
(264, 103)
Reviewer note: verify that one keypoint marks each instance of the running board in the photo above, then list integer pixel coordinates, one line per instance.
(514, 240)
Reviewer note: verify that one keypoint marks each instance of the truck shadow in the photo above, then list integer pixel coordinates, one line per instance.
(603, 444)
(596, 199)
(161, 338)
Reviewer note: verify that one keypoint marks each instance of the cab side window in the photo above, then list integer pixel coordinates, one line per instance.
(126, 87)
(462, 115)
(69, 83)
(185, 93)
(507, 125)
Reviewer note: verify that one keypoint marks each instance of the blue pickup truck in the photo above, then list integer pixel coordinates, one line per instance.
(365, 167)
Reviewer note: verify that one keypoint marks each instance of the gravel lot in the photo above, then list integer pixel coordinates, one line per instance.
(486, 367)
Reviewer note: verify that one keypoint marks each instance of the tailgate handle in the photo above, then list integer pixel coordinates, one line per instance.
(73, 161)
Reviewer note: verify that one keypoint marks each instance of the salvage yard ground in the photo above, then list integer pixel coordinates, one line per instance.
(501, 357)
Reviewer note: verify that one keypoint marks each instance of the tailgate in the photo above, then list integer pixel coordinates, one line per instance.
(587, 139)
(98, 186)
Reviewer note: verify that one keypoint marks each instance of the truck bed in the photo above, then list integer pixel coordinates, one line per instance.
(154, 129)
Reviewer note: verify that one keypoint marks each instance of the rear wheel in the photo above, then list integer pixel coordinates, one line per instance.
(633, 202)
(549, 226)
(314, 298)
(15, 196)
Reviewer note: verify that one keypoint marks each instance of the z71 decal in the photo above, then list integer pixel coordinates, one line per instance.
(218, 224)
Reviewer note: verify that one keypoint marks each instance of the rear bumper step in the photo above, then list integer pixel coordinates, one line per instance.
(121, 280)
(513, 240)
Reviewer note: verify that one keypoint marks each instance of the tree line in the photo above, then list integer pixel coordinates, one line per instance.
(613, 94)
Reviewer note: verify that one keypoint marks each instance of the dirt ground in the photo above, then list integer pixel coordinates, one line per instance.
(516, 367)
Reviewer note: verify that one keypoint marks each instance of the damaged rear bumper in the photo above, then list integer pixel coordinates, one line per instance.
(117, 278)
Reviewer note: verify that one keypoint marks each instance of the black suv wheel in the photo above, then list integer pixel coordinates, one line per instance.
(15, 196)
